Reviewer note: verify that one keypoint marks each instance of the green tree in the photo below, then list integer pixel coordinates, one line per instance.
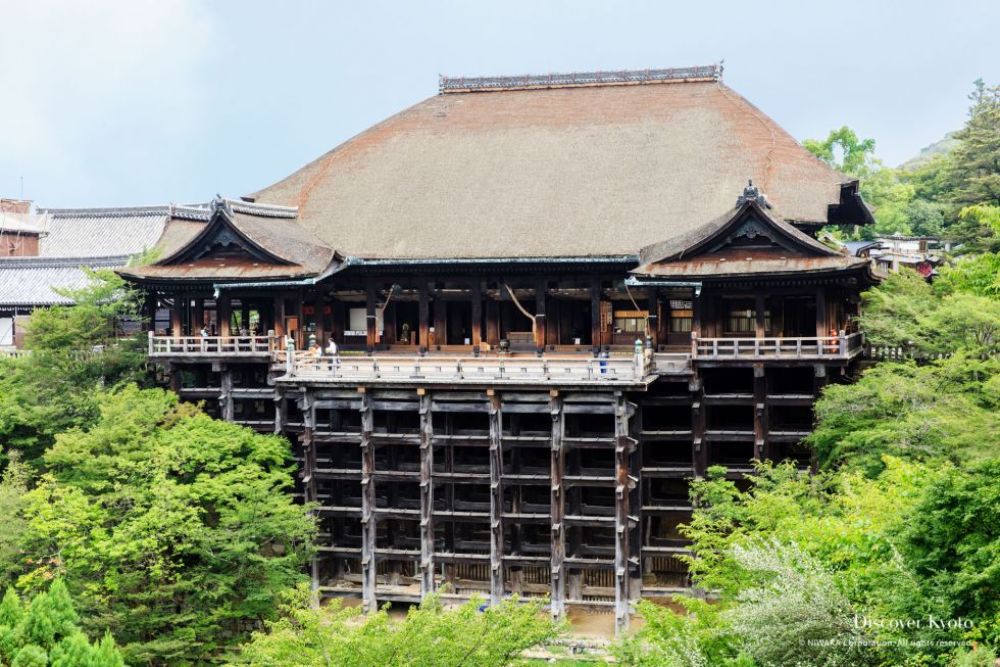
(974, 274)
(430, 635)
(845, 151)
(944, 411)
(174, 529)
(45, 633)
(13, 485)
(975, 168)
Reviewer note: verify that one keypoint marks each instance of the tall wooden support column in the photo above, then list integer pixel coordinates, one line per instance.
(424, 309)
(426, 494)
(476, 294)
(370, 317)
(761, 450)
(624, 447)
(699, 447)
(308, 444)
(540, 318)
(557, 508)
(368, 529)
(595, 315)
(496, 500)
(226, 393)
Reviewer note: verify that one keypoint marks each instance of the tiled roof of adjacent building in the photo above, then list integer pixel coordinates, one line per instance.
(33, 281)
(101, 232)
(577, 165)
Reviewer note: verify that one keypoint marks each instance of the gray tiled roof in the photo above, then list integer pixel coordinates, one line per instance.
(101, 232)
(32, 281)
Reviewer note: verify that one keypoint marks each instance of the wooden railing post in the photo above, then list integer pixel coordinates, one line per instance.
(843, 343)
(151, 334)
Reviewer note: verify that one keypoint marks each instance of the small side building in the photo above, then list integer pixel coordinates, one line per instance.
(45, 252)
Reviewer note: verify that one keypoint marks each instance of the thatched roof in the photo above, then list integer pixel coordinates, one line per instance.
(578, 169)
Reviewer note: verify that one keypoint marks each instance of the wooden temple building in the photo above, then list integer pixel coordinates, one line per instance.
(554, 300)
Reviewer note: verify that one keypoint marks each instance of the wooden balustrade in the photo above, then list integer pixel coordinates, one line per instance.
(558, 370)
(807, 347)
(227, 346)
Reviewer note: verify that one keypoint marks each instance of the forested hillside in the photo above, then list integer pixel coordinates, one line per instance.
(953, 192)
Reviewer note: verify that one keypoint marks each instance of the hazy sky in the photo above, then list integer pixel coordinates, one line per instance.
(150, 101)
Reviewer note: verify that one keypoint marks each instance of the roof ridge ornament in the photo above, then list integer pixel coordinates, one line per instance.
(752, 193)
(221, 204)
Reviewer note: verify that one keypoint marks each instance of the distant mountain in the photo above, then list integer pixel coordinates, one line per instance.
(928, 153)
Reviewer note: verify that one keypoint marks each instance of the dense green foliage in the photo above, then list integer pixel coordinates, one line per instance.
(429, 635)
(45, 632)
(836, 564)
(76, 350)
(174, 529)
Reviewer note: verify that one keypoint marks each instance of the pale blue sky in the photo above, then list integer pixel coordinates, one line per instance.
(110, 102)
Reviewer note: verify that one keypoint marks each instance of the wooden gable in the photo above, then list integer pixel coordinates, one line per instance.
(222, 241)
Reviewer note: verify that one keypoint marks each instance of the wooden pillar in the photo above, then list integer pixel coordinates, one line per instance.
(338, 316)
(280, 413)
(440, 322)
(309, 468)
(302, 341)
(175, 315)
(224, 314)
(822, 328)
(319, 304)
(493, 323)
(699, 446)
(279, 317)
(389, 327)
(198, 316)
(370, 317)
(496, 501)
(595, 315)
(557, 508)
(760, 304)
(553, 313)
(424, 308)
(540, 318)
(696, 308)
(624, 446)
(368, 528)
(426, 494)
(477, 312)
(760, 448)
(226, 393)
(653, 307)
(149, 302)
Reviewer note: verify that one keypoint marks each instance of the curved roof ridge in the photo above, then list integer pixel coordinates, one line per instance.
(463, 84)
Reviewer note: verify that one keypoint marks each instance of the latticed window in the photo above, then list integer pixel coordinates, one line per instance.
(681, 316)
(631, 321)
(741, 317)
